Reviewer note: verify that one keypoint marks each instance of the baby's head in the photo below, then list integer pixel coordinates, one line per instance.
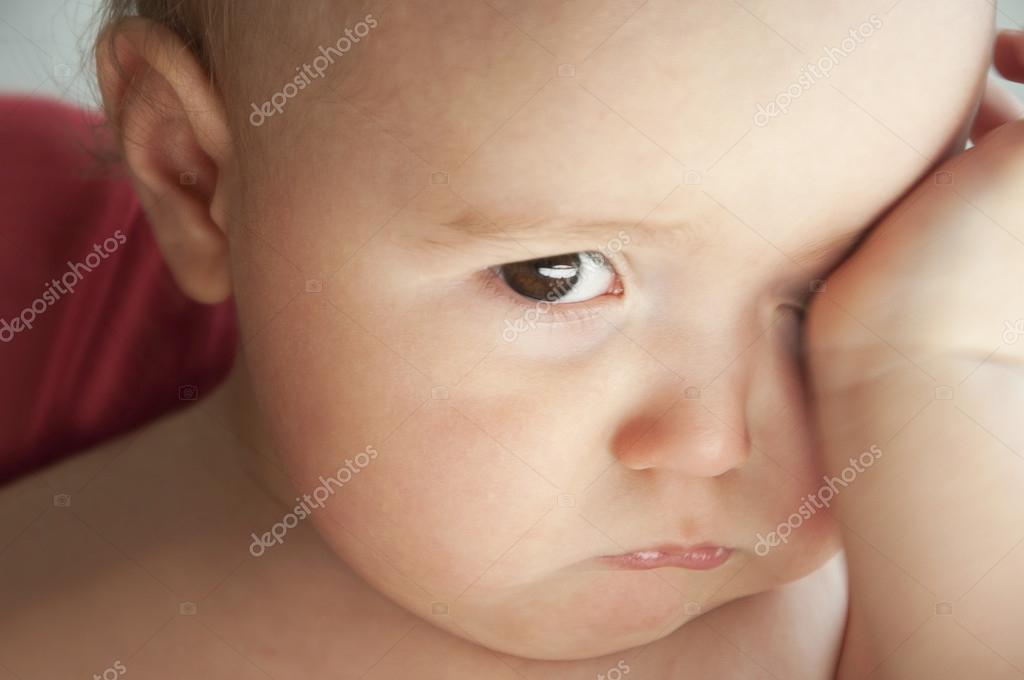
(543, 264)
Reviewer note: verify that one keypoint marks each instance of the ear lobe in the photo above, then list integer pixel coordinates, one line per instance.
(177, 146)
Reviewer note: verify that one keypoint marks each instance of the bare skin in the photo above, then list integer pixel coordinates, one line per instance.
(296, 612)
(914, 348)
(504, 468)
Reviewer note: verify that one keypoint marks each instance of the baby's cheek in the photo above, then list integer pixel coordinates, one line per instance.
(799, 538)
(326, 387)
(784, 503)
(441, 503)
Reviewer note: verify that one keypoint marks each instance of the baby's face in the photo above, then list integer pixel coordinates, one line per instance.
(562, 248)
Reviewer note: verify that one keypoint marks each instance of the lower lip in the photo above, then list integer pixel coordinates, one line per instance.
(697, 559)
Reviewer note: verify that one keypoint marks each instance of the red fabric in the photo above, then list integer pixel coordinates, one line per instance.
(125, 345)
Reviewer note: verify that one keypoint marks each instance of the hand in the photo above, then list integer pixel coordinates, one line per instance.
(943, 273)
(999, 106)
(915, 351)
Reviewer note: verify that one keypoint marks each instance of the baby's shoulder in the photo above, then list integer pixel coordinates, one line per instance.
(110, 551)
(32, 506)
(62, 579)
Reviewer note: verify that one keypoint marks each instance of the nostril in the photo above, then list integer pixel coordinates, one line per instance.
(633, 435)
(723, 460)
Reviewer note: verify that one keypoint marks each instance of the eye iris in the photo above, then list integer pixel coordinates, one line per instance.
(548, 278)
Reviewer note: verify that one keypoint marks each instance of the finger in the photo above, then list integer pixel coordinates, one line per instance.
(998, 106)
(1009, 55)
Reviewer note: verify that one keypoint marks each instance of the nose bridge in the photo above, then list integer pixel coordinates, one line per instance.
(721, 421)
(703, 428)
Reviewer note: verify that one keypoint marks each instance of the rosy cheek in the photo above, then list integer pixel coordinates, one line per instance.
(328, 387)
(809, 544)
(442, 502)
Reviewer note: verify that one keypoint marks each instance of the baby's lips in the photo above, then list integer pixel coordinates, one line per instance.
(698, 557)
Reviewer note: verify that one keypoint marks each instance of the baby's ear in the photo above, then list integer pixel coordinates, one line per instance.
(177, 146)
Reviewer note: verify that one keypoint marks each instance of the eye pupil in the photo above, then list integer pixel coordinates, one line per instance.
(548, 278)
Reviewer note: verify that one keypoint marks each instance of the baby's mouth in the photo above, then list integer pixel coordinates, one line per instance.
(699, 557)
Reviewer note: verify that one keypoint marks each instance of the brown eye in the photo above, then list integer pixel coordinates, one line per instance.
(575, 277)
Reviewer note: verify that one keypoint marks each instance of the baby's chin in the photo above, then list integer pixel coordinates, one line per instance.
(596, 615)
(585, 615)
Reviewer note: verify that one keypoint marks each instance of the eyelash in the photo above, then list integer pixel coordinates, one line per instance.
(492, 283)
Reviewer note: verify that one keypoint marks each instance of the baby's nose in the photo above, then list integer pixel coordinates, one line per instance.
(692, 437)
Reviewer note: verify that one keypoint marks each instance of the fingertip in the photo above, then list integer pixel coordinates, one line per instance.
(1008, 57)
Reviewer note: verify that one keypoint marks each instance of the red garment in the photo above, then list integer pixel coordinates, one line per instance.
(113, 342)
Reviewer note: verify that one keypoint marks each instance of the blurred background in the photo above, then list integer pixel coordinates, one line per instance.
(45, 46)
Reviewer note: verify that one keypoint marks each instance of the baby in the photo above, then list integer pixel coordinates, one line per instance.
(521, 389)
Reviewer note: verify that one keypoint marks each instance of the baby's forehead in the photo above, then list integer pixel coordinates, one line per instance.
(798, 121)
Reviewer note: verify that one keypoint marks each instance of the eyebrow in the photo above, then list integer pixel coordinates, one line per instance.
(472, 224)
